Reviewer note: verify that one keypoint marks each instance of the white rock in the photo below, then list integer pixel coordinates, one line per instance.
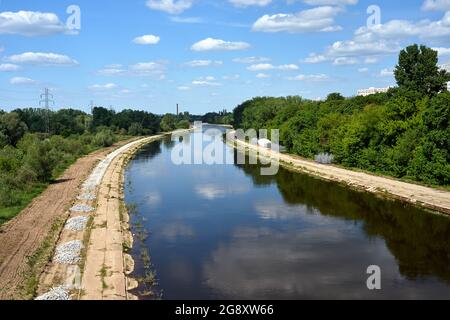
(76, 223)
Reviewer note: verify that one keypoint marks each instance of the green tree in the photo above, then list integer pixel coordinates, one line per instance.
(12, 128)
(136, 129)
(335, 96)
(169, 122)
(418, 71)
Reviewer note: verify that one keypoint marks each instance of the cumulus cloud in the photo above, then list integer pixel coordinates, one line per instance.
(436, 5)
(147, 39)
(320, 19)
(263, 76)
(41, 58)
(8, 67)
(251, 60)
(373, 42)
(268, 66)
(343, 61)
(203, 63)
(211, 44)
(170, 6)
(142, 69)
(248, 3)
(403, 29)
(30, 23)
(443, 51)
(22, 81)
(209, 81)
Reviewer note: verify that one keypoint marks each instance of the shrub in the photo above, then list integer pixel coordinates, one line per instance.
(104, 138)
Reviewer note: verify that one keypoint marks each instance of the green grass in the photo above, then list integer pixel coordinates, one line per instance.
(25, 198)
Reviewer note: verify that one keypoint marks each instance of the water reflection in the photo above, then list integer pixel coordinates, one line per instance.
(228, 232)
(419, 241)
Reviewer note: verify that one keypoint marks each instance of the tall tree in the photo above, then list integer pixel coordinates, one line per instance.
(418, 71)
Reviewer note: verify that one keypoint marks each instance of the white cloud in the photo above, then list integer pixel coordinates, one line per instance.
(203, 63)
(251, 60)
(22, 81)
(40, 58)
(310, 77)
(268, 66)
(263, 76)
(436, 5)
(442, 51)
(363, 70)
(8, 67)
(314, 58)
(142, 69)
(320, 19)
(384, 39)
(147, 39)
(209, 81)
(247, 3)
(342, 61)
(184, 88)
(211, 44)
(402, 29)
(30, 23)
(170, 6)
(107, 86)
(260, 67)
(355, 48)
(386, 73)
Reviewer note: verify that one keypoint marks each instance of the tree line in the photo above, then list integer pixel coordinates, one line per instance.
(403, 133)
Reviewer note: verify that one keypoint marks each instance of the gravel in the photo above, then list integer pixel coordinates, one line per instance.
(81, 208)
(77, 223)
(68, 253)
(87, 196)
(93, 181)
(58, 293)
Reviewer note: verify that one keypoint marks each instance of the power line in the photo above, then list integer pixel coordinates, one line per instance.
(47, 99)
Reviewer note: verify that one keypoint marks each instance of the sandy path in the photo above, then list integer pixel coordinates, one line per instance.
(104, 276)
(23, 235)
(434, 199)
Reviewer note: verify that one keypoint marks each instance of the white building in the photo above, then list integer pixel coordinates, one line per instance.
(372, 90)
(446, 66)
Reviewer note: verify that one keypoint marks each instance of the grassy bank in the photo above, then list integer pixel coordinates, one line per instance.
(37, 161)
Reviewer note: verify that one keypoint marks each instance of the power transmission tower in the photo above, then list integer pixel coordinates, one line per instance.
(47, 100)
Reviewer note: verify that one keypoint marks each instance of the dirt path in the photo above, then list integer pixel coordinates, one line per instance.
(429, 198)
(31, 229)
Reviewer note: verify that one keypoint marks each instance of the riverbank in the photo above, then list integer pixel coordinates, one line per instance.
(106, 263)
(425, 197)
(28, 240)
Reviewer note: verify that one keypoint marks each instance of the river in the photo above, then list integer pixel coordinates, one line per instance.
(227, 232)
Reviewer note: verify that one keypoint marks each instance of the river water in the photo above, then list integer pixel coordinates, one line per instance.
(227, 232)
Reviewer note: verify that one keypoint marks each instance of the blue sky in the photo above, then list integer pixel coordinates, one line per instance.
(205, 55)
